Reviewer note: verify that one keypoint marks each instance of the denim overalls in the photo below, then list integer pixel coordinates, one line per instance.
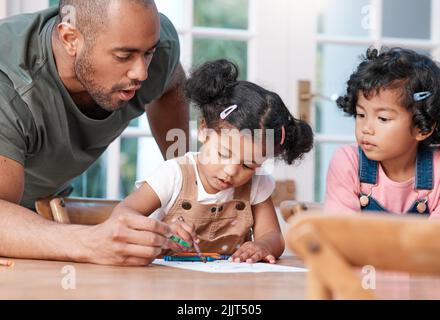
(368, 172)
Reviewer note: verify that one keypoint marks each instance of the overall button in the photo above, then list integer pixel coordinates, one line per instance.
(213, 210)
(240, 206)
(186, 205)
(364, 200)
(220, 209)
(421, 207)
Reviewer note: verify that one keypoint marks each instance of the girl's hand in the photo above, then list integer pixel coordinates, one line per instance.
(251, 252)
(184, 231)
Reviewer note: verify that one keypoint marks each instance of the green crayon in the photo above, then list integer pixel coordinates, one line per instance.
(180, 241)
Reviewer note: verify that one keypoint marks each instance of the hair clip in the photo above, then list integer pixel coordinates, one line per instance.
(228, 111)
(420, 96)
(283, 135)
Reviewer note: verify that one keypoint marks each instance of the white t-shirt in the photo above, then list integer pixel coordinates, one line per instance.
(166, 181)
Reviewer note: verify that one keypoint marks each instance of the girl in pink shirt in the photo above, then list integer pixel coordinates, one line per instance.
(394, 96)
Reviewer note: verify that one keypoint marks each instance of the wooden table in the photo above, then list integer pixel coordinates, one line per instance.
(30, 279)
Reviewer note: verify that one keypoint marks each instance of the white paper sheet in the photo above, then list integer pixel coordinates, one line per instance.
(222, 266)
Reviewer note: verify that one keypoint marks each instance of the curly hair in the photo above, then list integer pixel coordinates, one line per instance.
(213, 87)
(404, 70)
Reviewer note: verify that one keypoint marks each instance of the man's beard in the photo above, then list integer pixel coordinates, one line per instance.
(85, 72)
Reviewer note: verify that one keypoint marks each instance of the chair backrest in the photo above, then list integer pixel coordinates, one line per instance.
(332, 245)
(85, 211)
(284, 189)
(290, 208)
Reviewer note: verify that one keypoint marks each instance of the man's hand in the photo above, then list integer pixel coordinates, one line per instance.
(126, 239)
(185, 231)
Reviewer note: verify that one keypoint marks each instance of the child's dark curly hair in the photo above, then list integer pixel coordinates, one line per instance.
(213, 87)
(401, 69)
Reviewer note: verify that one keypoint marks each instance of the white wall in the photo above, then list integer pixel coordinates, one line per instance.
(286, 42)
(2, 8)
(25, 6)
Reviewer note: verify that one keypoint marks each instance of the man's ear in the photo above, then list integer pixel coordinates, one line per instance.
(70, 38)
(421, 136)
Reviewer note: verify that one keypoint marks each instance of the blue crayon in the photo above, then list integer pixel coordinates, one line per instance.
(189, 259)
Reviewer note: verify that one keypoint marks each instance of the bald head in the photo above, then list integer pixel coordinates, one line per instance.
(90, 16)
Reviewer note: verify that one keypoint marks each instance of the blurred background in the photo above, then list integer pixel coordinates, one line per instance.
(303, 50)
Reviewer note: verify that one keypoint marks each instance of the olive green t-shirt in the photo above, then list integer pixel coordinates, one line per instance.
(40, 125)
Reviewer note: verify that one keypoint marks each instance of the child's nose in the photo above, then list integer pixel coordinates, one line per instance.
(367, 127)
(231, 169)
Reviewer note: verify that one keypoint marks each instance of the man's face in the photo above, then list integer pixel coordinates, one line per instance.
(112, 69)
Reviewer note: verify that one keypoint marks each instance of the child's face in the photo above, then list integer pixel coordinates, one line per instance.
(227, 160)
(384, 128)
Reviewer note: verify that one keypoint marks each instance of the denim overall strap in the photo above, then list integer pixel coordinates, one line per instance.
(367, 169)
(424, 169)
(423, 179)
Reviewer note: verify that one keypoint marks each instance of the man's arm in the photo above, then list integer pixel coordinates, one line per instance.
(126, 238)
(170, 111)
(23, 234)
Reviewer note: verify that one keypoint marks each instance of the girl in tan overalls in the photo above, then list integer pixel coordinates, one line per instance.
(217, 197)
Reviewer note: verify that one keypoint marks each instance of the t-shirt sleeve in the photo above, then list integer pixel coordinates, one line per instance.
(342, 181)
(262, 188)
(166, 181)
(12, 129)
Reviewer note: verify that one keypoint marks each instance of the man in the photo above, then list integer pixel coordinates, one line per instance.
(71, 80)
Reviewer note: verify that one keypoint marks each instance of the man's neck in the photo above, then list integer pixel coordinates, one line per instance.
(89, 107)
(65, 66)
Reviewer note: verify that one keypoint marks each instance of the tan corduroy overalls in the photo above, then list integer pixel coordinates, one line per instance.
(222, 228)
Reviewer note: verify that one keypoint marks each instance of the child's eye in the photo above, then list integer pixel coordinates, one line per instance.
(247, 167)
(223, 156)
(123, 59)
(360, 115)
(383, 119)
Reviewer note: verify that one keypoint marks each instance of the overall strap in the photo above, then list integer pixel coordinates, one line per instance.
(424, 169)
(189, 180)
(243, 192)
(367, 169)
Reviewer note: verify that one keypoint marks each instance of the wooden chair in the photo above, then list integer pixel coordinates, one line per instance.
(290, 208)
(85, 211)
(284, 189)
(332, 246)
